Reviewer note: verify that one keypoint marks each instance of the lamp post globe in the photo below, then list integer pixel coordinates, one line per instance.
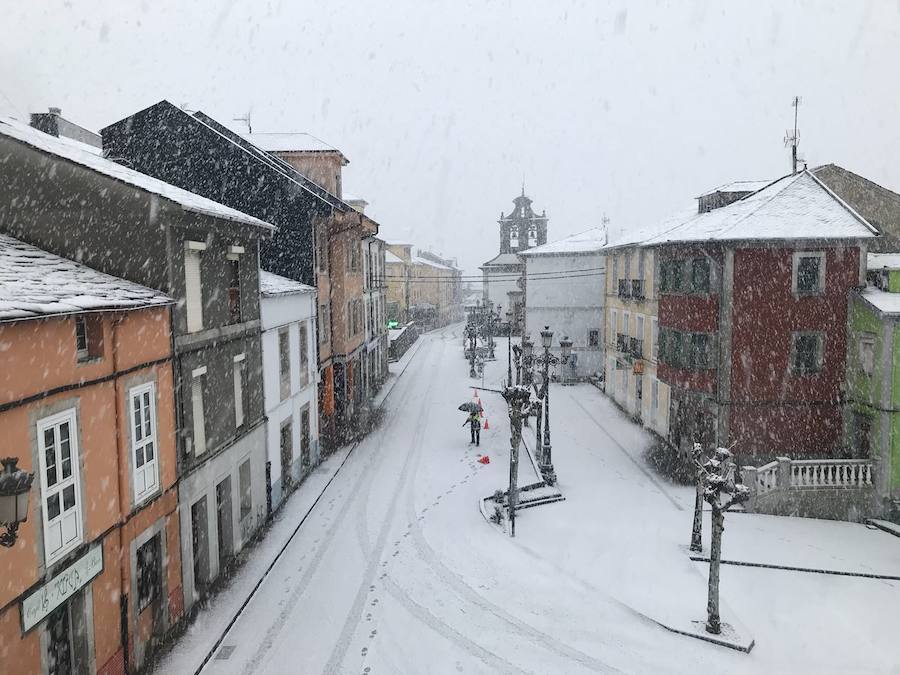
(546, 337)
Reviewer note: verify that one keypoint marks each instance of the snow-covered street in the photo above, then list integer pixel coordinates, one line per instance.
(396, 571)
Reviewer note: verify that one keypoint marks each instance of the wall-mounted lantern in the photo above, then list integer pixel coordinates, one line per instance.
(15, 485)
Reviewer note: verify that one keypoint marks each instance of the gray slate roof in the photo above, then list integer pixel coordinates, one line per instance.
(35, 283)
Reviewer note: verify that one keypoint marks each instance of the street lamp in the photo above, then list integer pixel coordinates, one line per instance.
(527, 356)
(547, 360)
(15, 486)
(517, 398)
(508, 349)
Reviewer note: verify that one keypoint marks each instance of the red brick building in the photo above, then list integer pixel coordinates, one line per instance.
(753, 303)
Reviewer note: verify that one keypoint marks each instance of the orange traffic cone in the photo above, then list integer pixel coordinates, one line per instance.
(486, 427)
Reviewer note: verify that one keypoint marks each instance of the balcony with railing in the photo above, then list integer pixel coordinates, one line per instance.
(624, 288)
(621, 343)
(636, 347)
(637, 289)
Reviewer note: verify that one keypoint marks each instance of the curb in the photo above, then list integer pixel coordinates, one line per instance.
(809, 570)
(884, 526)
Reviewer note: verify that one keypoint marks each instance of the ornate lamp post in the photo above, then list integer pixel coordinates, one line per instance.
(517, 398)
(527, 360)
(15, 485)
(547, 360)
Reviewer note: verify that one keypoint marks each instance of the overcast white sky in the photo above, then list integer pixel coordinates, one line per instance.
(627, 108)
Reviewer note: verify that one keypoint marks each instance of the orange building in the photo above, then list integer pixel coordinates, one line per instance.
(86, 404)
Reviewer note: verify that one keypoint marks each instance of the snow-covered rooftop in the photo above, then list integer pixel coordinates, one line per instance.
(392, 258)
(504, 259)
(739, 186)
(75, 151)
(883, 301)
(35, 283)
(794, 207)
(881, 260)
(290, 142)
(590, 241)
(273, 284)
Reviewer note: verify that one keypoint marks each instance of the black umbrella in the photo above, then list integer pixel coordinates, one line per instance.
(470, 406)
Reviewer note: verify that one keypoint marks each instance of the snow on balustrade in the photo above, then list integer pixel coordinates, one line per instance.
(767, 478)
(831, 473)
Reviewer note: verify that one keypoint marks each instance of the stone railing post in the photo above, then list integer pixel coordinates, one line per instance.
(749, 479)
(784, 473)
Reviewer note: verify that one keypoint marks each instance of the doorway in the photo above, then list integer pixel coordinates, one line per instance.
(224, 526)
(287, 455)
(200, 543)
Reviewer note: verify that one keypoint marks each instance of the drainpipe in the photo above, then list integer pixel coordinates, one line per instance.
(122, 519)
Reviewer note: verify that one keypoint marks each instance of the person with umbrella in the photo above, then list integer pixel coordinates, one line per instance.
(473, 419)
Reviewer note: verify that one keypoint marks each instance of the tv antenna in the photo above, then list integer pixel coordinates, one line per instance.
(792, 136)
(246, 120)
(605, 222)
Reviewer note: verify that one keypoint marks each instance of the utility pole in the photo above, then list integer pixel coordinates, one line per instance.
(792, 138)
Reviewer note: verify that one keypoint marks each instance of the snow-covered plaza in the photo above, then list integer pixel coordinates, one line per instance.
(395, 570)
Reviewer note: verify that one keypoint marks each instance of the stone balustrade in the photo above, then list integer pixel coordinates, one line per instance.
(841, 489)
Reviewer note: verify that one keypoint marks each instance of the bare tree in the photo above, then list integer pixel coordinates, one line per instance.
(697, 529)
(718, 473)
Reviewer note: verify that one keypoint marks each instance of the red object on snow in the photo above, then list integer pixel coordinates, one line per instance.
(485, 460)
(486, 427)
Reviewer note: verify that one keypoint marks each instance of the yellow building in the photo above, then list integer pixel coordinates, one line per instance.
(631, 337)
(422, 286)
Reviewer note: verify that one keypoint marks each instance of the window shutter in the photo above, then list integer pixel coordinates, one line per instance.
(199, 415)
(238, 394)
(193, 296)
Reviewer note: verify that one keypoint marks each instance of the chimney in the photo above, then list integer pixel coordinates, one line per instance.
(55, 111)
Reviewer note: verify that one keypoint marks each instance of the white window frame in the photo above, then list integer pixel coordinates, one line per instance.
(614, 325)
(796, 266)
(303, 329)
(626, 320)
(193, 299)
(654, 338)
(145, 478)
(198, 410)
(54, 422)
(238, 375)
(866, 340)
(284, 367)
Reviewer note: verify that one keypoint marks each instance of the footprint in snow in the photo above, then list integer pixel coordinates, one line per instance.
(364, 651)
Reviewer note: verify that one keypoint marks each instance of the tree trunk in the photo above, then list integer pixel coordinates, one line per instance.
(697, 531)
(515, 440)
(715, 559)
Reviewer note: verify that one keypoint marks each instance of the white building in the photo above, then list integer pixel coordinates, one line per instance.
(374, 297)
(500, 278)
(564, 289)
(287, 313)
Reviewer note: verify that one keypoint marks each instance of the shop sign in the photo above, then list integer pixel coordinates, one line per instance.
(63, 586)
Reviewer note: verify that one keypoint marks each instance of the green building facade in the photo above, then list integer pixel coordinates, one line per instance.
(872, 417)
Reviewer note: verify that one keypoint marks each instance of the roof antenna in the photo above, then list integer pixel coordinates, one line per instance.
(792, 138)
(245, 118)
(523, 184)
(605, 222)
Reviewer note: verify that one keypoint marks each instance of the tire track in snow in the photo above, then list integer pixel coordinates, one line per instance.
(355, 615)
(278, 622)
(472, 596)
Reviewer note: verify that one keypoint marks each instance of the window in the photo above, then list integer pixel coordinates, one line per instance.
(60, 489)
(700, 275)
(698, 352)
(193, 288)
(626, 321)
(284, 362)
(613, 325)
(304, 355)
(654, 338)
(354, 256)
(197, 411)
(305, 459)
(809, 273)
(806, 353)
(88, 338)
(143, 441)
(238, 376)
(867, 353)
(594, 338)
(149, 572)
(324, 323)
(234, 291)
(675, 347)
(246, 493)
(323, 252)
(654, 399)
(615, 272)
